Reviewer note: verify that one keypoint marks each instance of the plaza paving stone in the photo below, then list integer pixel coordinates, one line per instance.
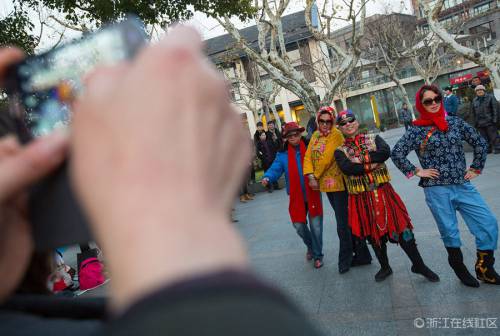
(353, 303)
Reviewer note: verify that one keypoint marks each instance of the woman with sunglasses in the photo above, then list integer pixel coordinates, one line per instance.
(324, 174)
(376, 212)
(437, 141)
(303, 199)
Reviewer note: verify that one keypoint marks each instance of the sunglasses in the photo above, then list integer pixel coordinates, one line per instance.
(429, 102)
(325, 122)
(346, 121)
(293, 135)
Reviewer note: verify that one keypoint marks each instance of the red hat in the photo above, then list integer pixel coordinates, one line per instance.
(291, 127)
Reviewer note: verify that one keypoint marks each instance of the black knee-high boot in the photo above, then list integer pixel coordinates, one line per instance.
(381, 254)
(484, 267)
(456, 261)
(418, 266)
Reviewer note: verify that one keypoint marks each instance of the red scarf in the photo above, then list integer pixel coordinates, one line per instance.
(296, 207)
(430, 119)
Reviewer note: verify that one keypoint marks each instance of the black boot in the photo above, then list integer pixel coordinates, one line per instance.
(385, 269)
(418, 266)
(362, 254)
(484, 267)
(456, 261)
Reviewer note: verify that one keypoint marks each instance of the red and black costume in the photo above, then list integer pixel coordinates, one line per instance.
(376, 211)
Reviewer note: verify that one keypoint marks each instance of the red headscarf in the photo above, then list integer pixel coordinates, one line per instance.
(325, 110)
(430, 119)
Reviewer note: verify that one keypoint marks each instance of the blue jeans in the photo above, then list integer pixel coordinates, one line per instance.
(313, 237)
(445, 201)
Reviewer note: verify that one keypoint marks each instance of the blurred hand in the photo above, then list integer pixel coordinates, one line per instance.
(143, 162)
(19, 168)
(313, 183)
(428, 173)
(264, 181)
(374, 166)
(470, 175)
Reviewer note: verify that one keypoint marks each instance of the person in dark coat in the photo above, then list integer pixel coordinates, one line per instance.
(266, 152)
(450, 102)
(274, 135)
(405, 116)
(310, 128)
(486, 114)
(260, 129)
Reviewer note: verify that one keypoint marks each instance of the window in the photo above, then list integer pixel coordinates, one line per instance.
(365, 74)
(292, 46)
(481, 9)
(235, 91)
(229, 71)
(486, 30)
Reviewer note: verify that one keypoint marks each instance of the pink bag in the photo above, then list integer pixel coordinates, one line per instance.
(91, 273)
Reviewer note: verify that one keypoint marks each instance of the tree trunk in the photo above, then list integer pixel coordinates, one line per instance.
(276, 116)
(343, 100)
(405, 95)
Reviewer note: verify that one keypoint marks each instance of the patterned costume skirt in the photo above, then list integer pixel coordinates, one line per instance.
(378, 215)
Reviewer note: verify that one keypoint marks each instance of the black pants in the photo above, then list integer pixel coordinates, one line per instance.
(490, 134)
(347, 245)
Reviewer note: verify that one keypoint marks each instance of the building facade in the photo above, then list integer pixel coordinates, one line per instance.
(365, 86)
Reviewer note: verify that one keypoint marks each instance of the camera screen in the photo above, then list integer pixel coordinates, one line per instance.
(49, 83)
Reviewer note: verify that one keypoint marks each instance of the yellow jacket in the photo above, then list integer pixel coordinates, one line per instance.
(319, 160)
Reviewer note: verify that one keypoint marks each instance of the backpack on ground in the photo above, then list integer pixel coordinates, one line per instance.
(91, 273)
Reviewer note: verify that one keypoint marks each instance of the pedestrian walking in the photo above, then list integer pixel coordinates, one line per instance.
(450, 102)
(437, 140)
(304, 201)
(266, 153)
(376, 212)
(324, 174)
(274, 137)
(486, 112)
(405, 116)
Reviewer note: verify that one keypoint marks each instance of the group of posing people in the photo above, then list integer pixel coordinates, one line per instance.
(349, 166)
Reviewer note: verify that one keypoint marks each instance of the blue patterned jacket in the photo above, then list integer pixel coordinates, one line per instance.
(444, 152)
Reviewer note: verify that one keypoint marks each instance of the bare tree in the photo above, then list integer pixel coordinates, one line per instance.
(272, 57)
(426, 55)
(488, 59)
(389, 50)
(258, 97)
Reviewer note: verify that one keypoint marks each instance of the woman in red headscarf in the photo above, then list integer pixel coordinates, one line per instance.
(438, 142)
